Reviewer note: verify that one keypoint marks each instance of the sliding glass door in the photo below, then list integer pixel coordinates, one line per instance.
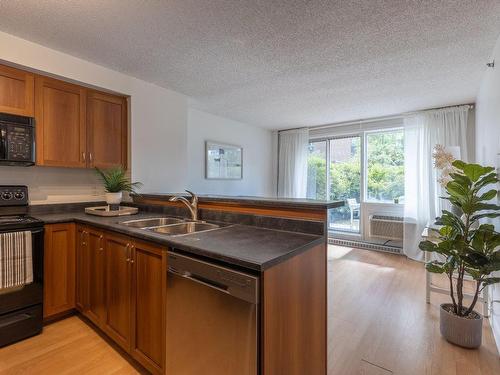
(334, 172)
(345, 183)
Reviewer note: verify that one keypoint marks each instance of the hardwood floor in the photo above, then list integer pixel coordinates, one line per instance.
(379, 324)
(66, 347)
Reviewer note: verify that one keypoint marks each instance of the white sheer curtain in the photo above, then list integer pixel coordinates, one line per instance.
(448, 127)
(292, 163)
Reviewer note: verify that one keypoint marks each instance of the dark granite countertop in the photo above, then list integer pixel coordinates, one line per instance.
(245, 246)
(257, 201)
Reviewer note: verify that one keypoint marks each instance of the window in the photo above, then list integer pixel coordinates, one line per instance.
(385, 166)
(362, 167)
(345, 183)
(316, 170)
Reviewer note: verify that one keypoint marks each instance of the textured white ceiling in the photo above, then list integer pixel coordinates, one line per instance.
(278, 63)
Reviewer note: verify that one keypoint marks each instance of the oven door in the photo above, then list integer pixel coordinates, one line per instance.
(31, 294)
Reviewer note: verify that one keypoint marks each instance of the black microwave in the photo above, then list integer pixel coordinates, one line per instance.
(17, 140)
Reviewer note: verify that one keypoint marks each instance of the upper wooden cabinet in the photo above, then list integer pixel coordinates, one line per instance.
(16, 91)
(60, 123)
(76, 127)
(107, 130)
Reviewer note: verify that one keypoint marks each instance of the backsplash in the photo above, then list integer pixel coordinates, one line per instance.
(55, 185)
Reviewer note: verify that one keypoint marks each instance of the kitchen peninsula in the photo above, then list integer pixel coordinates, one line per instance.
(122, 286)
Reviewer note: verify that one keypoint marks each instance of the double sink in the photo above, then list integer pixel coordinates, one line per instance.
(170, 226)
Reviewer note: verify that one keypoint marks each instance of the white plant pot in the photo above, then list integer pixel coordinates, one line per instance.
(113, 198)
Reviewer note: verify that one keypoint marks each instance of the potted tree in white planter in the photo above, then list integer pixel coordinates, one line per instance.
(115, 182)
(467, 248)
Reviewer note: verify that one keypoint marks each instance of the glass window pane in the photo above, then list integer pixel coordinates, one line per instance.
(316, 170)
(345, 183)
(385, 166)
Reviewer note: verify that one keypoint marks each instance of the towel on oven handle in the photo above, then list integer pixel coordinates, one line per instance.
(16, 259)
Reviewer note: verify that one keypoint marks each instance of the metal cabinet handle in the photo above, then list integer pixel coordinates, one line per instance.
(101, 248)
(83, 156)
(90, 157)
(132, 261)
(127, 253)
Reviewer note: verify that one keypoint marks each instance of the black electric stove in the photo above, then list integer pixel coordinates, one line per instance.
(21, 309)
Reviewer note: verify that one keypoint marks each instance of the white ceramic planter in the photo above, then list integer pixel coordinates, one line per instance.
(461, 331)
(114, 198)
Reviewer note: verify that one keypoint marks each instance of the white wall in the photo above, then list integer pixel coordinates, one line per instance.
(159, 133)
(488, 151)
(257, 155)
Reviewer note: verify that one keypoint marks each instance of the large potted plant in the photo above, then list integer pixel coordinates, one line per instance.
(466, 248)
(115, 182)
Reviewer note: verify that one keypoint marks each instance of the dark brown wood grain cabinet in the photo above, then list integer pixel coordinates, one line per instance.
(60, 110)
(59, 269)
(16, 91)
(107, 130)
(118, 289)
(121, 287)
(149, 288)
(96, 311)
(82, 280)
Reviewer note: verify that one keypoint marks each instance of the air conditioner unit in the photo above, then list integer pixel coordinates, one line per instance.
(386, 227)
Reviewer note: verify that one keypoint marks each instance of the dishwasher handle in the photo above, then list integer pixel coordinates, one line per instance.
(237, 284)
(199, 280)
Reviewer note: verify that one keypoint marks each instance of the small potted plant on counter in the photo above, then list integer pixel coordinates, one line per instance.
(466, 248)
(115, 182)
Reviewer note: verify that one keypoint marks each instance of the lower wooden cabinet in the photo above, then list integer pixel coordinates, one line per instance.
(118, 289)
(121, 287)
(96, 277)
(59, 269)
(149, 288)
(82, 287)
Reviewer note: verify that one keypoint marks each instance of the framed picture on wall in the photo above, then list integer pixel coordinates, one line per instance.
(223, 161)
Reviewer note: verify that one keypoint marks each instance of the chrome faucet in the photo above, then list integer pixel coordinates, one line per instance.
(192, 206)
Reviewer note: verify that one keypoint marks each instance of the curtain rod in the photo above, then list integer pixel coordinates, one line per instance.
(374, 119)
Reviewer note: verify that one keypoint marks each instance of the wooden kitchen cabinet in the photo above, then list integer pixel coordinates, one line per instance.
(59, 269)
(107, 130)
(60, 110)
(96, 310)
(16, 91)
(121, 286)
(149, 287)
(118, 289)
(82, 281)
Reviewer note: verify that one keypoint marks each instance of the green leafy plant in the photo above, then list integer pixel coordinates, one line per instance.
(466, 246)
(115, 180)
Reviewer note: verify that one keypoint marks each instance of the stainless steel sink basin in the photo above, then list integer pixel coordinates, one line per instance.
(152, 222)
(183, 228)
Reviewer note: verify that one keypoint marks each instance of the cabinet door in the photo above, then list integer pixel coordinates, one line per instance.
(149, 268)
(60, 123)
(107, 130)
(16, 91)
(82, 277)
(96, 311)
(118, 284)
(59, 269)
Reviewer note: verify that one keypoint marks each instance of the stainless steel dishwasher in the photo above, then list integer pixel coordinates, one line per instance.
(212, 319)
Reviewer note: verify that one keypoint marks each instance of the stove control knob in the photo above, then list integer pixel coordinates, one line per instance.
(19, 195)
(6, 195)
